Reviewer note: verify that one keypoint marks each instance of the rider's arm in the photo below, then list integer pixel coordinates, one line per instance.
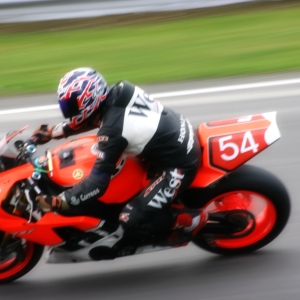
(45, 133)
(111, 145)
(65, 129)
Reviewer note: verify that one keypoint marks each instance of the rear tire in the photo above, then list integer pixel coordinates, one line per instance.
(250, 188)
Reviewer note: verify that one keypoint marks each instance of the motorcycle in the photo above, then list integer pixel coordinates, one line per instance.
(247, 206)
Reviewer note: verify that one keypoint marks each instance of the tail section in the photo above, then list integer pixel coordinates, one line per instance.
(227, 144)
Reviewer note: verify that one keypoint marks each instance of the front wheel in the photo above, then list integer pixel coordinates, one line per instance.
(18, 258)
(250, 189)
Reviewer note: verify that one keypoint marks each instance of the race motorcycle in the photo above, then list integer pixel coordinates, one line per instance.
(247, 206)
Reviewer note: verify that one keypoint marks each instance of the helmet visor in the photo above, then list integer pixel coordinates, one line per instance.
(68, 108)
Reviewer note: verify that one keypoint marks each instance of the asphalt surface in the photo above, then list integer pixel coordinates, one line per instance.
(272, 273)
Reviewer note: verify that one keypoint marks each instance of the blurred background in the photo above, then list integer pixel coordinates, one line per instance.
(228, 59)
(144, 41)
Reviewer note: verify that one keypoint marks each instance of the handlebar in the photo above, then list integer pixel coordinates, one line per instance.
(27, 149)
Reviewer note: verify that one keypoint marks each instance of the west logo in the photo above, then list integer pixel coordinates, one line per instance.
(168, 193)
(141, 104)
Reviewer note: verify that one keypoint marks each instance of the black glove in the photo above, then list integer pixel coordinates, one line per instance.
(42, 135)
(49, 203)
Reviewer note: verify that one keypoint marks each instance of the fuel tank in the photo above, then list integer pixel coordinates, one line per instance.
(73, 160)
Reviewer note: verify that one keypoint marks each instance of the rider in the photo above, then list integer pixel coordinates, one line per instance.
(128, 120)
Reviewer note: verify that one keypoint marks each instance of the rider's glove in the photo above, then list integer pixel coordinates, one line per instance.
(42, 135)
(49, 203)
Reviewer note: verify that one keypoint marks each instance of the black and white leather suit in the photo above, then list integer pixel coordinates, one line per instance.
(133, 122)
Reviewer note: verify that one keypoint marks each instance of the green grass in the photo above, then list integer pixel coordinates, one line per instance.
(203, 46)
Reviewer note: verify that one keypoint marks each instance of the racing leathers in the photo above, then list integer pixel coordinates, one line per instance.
(134, 123)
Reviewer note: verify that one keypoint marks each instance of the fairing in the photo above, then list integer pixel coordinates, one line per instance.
(42, 231)
(228, 144)
(73, 161)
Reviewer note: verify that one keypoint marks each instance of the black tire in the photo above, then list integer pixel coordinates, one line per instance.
(20, 261)
(251, 180)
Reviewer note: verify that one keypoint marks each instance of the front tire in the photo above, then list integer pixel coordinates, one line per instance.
(20, 261)
(247, 188)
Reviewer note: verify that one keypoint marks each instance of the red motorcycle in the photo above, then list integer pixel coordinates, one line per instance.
(248, 207)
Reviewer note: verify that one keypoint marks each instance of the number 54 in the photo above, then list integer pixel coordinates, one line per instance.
(248, 144)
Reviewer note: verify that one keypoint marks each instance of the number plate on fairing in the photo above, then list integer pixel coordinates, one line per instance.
(228, 144)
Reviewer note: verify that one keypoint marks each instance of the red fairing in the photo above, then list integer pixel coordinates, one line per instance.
(42, 231)
(8, 178)
(228, 144)
(128, 180)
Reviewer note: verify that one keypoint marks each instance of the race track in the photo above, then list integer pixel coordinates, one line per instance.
(272, 273)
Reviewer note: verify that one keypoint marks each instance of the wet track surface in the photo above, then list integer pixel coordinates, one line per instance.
(190, 273)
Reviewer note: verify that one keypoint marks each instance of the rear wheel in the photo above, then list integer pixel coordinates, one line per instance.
(18, 258)
(246, 189)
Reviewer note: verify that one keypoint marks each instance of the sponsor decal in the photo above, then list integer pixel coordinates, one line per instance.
(74, 200)
(158, 199)
(154, 184)
(182, 134)
(191, 137)
(77, 174)
(128, 206)
(182, 130)
(95, 150)
(141, 104)
(83, 197)
(168, 193)
(89, 195)
(175, 182)
(120, 165)
(101, 155)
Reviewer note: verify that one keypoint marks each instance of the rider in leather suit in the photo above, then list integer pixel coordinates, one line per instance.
(128, 120)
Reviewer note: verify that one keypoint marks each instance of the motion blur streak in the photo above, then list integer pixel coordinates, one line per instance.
(176, 94)
(55, 10)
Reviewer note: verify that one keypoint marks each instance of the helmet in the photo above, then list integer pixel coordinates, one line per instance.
(80, 93)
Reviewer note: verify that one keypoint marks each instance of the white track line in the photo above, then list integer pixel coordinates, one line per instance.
(174, 94)
(228, 88)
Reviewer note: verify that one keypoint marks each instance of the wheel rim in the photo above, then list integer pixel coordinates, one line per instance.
(260, 206)
(11, 265)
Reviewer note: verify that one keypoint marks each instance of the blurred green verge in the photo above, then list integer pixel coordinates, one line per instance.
(192, 46)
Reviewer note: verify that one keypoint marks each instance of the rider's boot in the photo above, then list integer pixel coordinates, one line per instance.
(188, 223)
